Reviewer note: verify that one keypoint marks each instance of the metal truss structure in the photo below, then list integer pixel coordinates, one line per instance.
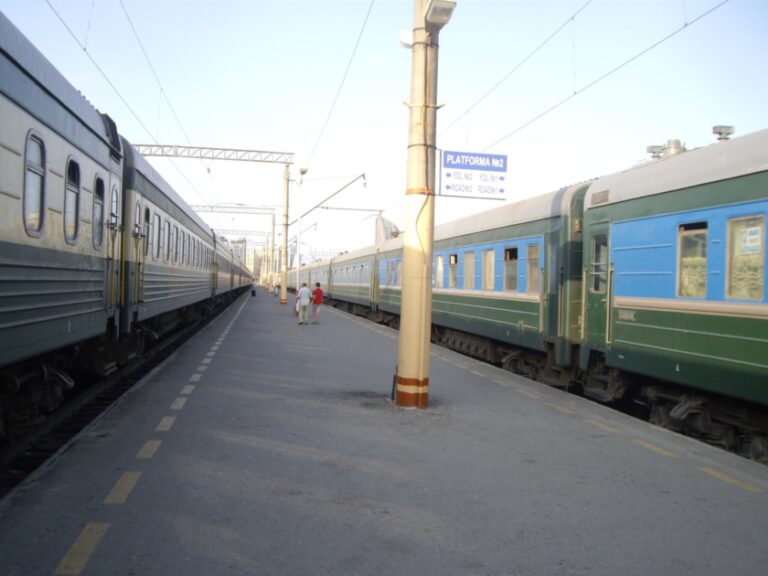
(174, 151)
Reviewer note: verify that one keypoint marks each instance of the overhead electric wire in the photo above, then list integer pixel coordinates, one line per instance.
(341, 85)
(117, 92)
(165, 95)
(519, 65)
(606, 75)
(154, 73)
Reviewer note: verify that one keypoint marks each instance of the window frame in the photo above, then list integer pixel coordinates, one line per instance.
(730, 245)
(97, 217)
(533, 269)
(598, 268)
(72, 193)
(511, 269)
(489, 269)
(439, 270)
(469, 269)
(685, 232)
(38, 170)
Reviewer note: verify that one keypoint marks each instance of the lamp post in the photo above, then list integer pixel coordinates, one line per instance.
(302, 171)
(284, 251)
(412, 376)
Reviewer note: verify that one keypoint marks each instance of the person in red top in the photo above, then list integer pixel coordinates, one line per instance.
(317, 299)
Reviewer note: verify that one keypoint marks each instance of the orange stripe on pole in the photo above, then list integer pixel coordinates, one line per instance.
(412, 392)
(425, 191)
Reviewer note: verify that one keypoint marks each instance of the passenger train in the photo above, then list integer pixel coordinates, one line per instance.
(98, 254)
(645, 287)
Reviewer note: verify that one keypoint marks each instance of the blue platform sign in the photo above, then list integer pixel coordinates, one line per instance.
(473, 174)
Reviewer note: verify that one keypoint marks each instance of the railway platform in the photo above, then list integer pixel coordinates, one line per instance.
(263, 447)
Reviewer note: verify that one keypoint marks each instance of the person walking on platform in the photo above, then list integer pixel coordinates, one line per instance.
(317, 299)
(304, 297)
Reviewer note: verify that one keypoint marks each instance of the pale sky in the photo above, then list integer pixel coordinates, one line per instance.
(263, 75)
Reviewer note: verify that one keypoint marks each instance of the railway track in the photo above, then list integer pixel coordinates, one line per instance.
(32, 449)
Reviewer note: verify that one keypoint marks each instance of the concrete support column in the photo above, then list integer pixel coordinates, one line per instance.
(413, 365)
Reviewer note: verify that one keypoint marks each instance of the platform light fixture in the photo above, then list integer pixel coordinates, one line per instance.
(438, 12)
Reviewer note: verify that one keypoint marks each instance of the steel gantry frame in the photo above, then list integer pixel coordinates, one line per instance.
(204, 153)
(238, 155)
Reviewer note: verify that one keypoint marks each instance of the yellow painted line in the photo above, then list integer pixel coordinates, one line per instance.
(561, 409)
(525, 392)
(188, 389)
(480, 374)
(81, 551)
(601, 426)
(123, 488)
(178, 404)
(165, 424)
(654, 448)
(148, 450)
(731, 480)
(195, 377)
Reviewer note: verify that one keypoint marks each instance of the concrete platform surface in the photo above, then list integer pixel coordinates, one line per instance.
(268, 448)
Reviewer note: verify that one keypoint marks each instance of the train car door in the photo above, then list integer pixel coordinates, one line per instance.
(113, 244)
(598, 277)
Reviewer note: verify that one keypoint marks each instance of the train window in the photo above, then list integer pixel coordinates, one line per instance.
(453, 260)
(692, 268)
(438, 281)
(182, 243)
(98, 213)
(34, 185)
(400, 273)
(167, 240)
(488, 270)
(157, 236)
(469, 270)
(534, 272)
(510, 269)
(175, 243)
(114, 210)
(146, 231)
(72, 202)
(746, 258)
(599, 266)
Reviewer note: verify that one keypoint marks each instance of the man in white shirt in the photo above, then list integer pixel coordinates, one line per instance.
(304, 296)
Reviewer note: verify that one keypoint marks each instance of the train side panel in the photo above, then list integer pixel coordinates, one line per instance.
(676, 280)
(169, 250)
(58, 176)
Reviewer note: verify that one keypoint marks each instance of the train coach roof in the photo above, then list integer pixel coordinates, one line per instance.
(29, 59)
(719, 161)
(137, 162)
(533, 209)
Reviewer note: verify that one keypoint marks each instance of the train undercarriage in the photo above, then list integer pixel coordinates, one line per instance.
(34, 389)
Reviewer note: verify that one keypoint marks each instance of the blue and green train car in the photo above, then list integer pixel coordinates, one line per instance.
(646, 286)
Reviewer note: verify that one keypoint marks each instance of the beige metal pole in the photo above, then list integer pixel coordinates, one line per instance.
(284, 252)
(271, 276)
(416, 306)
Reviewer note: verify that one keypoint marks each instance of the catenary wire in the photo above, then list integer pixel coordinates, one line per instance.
(606, 75)
(341, 85)
(119, 95)
(518, 66)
